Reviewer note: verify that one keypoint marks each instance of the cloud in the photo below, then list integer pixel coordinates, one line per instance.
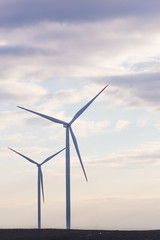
(90, 127)
(125, 55)
(133, 90)
(158, 126)
(23, 51)
(4, 152)
(18, 13)
(21, 92)
(145, 154)
(9, 119)
(142, 122)
(120, 125)
(51, 50)
(16, 138)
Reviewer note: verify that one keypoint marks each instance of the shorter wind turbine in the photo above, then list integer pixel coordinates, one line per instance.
(40, 180)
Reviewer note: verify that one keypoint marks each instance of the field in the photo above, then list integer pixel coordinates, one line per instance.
(61, 234)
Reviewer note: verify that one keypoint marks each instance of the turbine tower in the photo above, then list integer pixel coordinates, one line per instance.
(40, 180)
(68, 128)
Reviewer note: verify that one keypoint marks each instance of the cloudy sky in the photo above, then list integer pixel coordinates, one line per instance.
(54, 57)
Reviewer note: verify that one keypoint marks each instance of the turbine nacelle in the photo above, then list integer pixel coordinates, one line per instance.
(66, 125)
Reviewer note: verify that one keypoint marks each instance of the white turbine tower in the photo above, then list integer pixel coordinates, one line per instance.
(69, 129)
(40, 180)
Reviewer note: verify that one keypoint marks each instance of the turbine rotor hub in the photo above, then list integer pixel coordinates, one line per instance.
(66, 125)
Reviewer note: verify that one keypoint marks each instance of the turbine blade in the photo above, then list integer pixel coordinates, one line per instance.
(77, 150)
(47, 159)
(44, 116)
(41, 182)
(30, 160)
(85, 107)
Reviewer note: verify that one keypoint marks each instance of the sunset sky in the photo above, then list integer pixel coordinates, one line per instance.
(56, 55)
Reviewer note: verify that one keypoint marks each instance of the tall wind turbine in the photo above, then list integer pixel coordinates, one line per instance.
(40, 180)
(69, 130)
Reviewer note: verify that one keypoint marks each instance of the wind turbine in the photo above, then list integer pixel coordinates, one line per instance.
(40, 180)
(69, 130)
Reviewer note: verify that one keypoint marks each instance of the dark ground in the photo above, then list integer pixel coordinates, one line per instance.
(61, 234)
